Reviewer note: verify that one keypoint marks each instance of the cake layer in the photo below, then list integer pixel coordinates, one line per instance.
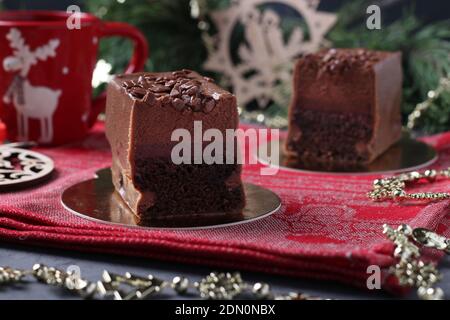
(166, 189)
(331, 140)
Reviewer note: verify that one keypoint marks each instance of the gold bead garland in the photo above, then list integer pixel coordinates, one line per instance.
(394, 187)
(215, 286)
(409, 269)
(433, 95)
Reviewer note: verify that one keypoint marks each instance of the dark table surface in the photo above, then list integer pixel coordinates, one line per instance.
(92, 265)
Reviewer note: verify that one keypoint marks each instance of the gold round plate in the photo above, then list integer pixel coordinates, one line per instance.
(96, 200)
(406, 155)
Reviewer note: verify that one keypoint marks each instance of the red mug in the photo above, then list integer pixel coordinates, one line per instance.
(46, 73)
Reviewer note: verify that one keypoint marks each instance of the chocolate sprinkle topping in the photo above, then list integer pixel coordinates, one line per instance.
(334, 61)
(180, 89)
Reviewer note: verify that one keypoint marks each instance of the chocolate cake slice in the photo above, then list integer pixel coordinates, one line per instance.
(142, 112)
(345, 108)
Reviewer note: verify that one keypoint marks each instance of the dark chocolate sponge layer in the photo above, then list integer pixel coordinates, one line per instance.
(330, 140)
(194, 188)
(178, 190)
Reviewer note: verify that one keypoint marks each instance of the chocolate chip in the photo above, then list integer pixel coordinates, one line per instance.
(209, 105)
(170, 83)
(182, 81)
(178, 104)
(149, 98)
(159, 88)
(166, 99)
(191, 83)
(192, 90)
(138, 92)
(186, 98)
(127, 84)
(175, 93)
(196, 104)
(186, 85)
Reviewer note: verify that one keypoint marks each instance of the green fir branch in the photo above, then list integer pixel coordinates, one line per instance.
(425, 50)
(174, 38)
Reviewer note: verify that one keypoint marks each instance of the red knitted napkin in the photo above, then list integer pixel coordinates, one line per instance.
(326, 227)
(2, 131)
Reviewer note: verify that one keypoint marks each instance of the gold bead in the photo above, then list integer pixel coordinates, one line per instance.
(405, 229)
(430, 174)
(414, 175)
(180, 284)
(377, 183)
(398, 194)
(444, 172)
(376, 197)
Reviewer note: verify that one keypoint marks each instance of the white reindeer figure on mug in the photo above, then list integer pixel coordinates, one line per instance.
(30, 101)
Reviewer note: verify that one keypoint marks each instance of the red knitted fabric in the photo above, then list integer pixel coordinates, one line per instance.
(2, 131)
(326, 227)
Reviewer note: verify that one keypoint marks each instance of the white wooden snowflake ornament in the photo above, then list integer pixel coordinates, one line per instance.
(265, 55)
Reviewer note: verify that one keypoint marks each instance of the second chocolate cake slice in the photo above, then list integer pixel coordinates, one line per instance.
(345, 109)
(143, 110)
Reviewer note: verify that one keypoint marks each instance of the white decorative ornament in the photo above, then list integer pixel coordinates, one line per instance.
(265, 56)
(21, 166)
(31, 102)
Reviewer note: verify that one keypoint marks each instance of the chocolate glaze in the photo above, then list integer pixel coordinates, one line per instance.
(345, 106)
(142, 112)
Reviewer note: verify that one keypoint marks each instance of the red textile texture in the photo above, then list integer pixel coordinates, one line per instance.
(325, 229)
(2, 131)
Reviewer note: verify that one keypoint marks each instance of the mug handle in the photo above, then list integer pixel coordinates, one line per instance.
(137, 62)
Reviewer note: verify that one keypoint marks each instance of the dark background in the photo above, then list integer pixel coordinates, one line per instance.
(427, 10)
